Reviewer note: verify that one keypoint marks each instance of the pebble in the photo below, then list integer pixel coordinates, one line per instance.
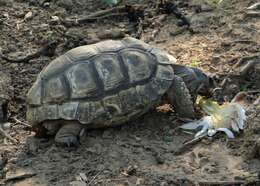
(7, 126)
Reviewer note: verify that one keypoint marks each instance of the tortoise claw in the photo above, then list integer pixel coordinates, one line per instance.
(69, 140)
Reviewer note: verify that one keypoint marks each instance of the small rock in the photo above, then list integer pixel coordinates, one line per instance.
(78, 183)
(7, 126)
(131, 170)
(159, 159)
(139, 181)
(55, 19)
(206, 8)
(240, 177)
(28, 16)
(111, 34)
(164, 183)
(47, 4)
(107, 134)
(33, 146)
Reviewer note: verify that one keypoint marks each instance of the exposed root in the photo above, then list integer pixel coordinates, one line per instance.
(47, 50)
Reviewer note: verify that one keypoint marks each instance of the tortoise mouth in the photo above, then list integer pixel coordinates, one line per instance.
(205, 91)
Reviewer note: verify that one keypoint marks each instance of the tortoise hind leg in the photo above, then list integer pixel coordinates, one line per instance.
(180, 98)
(46, 128)
(68, 134)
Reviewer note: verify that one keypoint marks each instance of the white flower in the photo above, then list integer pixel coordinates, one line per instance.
(226, 118)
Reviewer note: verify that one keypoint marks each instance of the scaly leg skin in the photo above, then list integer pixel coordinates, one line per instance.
(180, 98)
(68, 134)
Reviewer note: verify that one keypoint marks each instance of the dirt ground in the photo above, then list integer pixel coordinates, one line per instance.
(148, 151)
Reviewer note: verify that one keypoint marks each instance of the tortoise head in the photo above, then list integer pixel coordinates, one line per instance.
(204, 83)
(196, 81)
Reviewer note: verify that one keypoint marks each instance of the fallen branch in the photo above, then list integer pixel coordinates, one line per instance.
(226, 183)
(170, 7)
(132, 12)
(19, 177)
(46, 50)
(22, 123)
(102, 14)
(246, 64)
(2, 132)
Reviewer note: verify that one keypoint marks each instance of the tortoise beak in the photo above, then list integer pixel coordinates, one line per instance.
(207, 88)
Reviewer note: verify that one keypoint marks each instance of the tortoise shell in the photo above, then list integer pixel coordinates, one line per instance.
(101, 84)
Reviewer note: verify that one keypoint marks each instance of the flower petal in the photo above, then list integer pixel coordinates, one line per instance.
(228, 132)
(202, 131)
(242, 117)
(235, 124)
(191, 125)
(195, 124)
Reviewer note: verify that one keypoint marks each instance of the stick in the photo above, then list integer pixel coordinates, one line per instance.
(188, 144)
(22, 123)
(221, 183)
(93, 179)
(8, 136)
(94, 16)
(47, 50)
(19, 177)
(171, 7)
(140, 29)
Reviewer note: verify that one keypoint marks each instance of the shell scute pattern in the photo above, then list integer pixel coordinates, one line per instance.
(81, 81)
(100, 83)
(110, 46)
(130, 100)
(89, 111)
(68, 110)
(109, 71)
(55, 90)
(140, 65)
(46, 111)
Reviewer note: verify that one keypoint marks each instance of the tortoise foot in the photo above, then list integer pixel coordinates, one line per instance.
(68, 135)
(68, 140)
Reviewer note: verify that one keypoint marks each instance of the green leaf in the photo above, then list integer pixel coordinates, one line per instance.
(194, 63)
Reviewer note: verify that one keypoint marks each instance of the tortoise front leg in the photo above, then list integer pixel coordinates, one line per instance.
(68, 134)
(178, 95)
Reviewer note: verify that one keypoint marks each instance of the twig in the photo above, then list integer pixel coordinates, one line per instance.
(222, 183)
(139, 29)
(247, 68)
(102, 14)
(171, 7)
(19, 177)
(47, 50)
(22, 123)
(93, 179)
(8, 136)
(188, 144)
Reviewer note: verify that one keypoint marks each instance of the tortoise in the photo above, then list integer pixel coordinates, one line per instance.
(107, 84)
